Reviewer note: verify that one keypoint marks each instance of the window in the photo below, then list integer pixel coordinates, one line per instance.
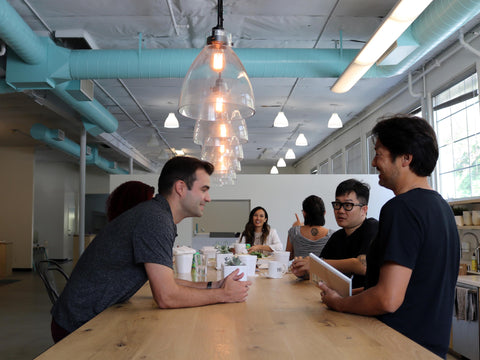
(370, 154)
(323, 167)
(337, 163)
(354, 158)
(457, 120)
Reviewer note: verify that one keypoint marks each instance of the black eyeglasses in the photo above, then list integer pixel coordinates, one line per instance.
(348, 206)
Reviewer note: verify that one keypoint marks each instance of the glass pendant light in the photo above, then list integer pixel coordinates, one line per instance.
(217, 86)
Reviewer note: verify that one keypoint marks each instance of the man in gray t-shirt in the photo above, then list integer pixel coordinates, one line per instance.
(136, 247)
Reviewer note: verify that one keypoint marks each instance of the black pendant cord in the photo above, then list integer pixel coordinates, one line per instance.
(219, 15)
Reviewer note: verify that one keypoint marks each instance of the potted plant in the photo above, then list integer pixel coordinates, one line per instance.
(458, 213)
(233, 263)
(223, 251)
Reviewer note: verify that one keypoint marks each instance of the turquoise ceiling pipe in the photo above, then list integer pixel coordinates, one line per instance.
(440, 20)
(56, 139)
(93, 111)
(174, 63)
(102, 163)
(19, 37)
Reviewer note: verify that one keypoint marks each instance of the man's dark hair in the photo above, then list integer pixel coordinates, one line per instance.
(314, 211)
(406, 134)
(362, 190)
(181, 168)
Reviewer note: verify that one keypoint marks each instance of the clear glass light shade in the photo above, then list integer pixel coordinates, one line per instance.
(301, 140)
(289, 154)
(227, 178)
(220, 129)
(281, 163)
(217, 86)
(171, 121)
(335, 122)
(274, 170)
(214, 148)
(280, 120)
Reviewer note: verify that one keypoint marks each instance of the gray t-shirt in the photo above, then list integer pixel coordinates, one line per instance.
(303, 246)
(111, 270)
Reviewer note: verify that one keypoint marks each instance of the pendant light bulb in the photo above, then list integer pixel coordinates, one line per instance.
(274, 170)
(301, 140)
(335, 122)
(290, 154)
(171, 121)
(281, 163)
(280, 120)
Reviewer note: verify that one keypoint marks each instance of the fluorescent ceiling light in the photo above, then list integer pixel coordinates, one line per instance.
(281, 163)
(290, 154)
(274, 170)
(301, 140)
(171, 121)
(398, 20)
(280, 120)
(335, 122)
(179, 152)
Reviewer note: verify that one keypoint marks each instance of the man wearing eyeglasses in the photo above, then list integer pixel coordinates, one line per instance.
(346, 249)
(412, 264)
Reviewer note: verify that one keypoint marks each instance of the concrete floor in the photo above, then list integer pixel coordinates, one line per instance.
(24, 317)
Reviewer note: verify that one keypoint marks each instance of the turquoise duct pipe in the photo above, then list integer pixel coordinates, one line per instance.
(56, 140)
(19, 37)
(93, 111)
(102, 163)
(174, 63)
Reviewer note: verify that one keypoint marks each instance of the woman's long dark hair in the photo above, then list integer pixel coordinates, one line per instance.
(249, 232)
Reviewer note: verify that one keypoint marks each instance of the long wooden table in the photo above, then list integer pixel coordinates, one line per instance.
(282, 319)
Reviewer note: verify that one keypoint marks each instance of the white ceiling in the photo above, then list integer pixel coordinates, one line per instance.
(116, 24)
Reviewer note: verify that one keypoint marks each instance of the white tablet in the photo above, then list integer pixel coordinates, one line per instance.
(334, 279)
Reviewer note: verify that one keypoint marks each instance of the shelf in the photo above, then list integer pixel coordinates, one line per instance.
(470, 227)
(466, 201)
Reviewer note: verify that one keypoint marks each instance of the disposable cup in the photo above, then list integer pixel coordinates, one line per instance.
(282, 257)
(183, 263)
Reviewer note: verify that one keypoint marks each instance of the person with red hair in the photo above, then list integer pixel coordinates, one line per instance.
(126, 196)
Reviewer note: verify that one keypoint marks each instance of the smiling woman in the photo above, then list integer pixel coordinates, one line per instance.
(258, 233)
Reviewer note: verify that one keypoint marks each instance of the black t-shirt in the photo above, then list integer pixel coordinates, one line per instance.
(417, 230)
(341, 246)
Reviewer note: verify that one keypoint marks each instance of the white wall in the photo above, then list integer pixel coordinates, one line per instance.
(280, 195)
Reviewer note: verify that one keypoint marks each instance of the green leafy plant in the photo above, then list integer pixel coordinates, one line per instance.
(258, 254)
(233, 261)
(222, 249)
(458, 210)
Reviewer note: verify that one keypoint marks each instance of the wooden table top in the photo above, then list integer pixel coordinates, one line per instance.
(281, 319)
